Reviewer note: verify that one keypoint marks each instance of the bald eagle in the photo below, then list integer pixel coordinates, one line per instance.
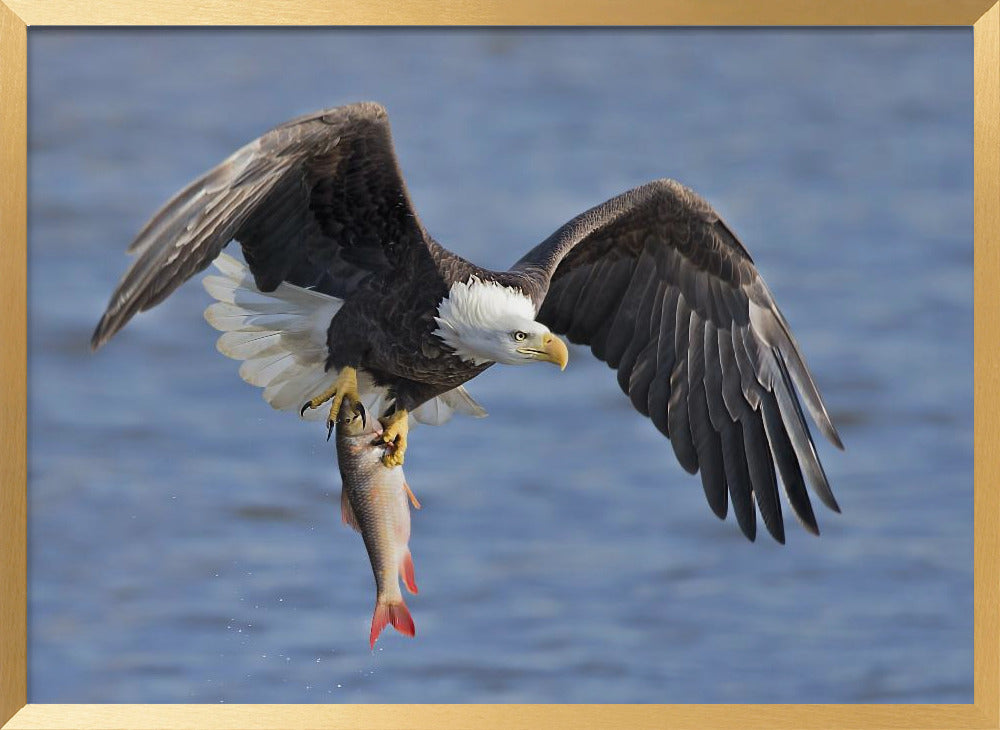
(344, 294)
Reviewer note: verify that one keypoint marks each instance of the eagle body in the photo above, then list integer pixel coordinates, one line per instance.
(387, 330)
(342, 283)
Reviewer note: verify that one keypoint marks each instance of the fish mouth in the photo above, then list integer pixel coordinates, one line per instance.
(350, 411)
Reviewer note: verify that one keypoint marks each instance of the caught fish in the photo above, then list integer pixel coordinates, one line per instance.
(373, 500)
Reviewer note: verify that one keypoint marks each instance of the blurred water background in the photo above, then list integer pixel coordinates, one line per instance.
(185, 540)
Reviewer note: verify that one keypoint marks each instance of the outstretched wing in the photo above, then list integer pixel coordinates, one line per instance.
(318, 202)
(660, 288)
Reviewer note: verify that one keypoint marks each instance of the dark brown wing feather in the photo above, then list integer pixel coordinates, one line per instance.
(318, 201)
(660, 288)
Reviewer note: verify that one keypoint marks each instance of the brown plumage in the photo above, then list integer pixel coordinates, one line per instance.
(662, 290)
(652, 280)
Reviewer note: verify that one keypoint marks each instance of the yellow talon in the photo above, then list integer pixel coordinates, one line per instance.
(346, 386)
(394, 431)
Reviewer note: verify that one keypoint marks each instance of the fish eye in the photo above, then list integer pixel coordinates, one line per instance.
(520, 336)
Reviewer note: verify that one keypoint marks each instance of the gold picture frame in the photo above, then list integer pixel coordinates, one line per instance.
(15, 18)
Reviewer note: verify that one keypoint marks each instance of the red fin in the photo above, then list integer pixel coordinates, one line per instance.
(395, 613)
(346, 513)
(406, 572)
(411, 495)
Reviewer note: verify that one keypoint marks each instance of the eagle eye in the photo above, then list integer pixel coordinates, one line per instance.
(520, 336)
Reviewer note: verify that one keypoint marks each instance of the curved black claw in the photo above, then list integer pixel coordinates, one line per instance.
(329, 429)
(305, 407)
(359, 408)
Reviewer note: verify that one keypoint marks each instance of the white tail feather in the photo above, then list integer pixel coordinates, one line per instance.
(281, 338)
(440, 410)
(461, 402)
(244, 345)
(279, 335)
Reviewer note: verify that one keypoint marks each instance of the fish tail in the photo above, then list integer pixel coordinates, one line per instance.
(395, 613)
(406, 572)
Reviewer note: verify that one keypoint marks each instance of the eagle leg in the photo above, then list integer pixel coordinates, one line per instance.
(394, 430)
(346, 386)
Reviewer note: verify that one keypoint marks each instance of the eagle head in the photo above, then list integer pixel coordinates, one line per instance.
(484, 321)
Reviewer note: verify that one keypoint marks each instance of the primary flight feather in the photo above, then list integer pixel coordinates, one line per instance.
(345, 295)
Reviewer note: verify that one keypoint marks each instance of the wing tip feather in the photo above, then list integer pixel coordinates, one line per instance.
(98, 338)
(113, 319)
(832, 435)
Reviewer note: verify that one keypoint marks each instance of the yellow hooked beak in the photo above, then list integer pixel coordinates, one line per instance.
(553, 350)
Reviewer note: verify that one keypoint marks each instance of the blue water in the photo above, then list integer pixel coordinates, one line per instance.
(185, 540)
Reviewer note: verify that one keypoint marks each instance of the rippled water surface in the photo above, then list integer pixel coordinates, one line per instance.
(185, 540)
